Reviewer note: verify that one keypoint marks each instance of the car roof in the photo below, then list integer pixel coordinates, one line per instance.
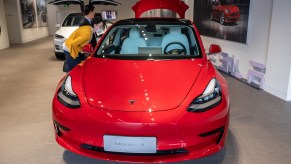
(134, 21)
(76, 14)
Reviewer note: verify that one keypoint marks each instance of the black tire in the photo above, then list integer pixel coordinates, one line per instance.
(60, 55)
(221, 18)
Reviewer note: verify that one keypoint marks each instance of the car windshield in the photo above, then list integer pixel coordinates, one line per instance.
(150, 41)
(72, 20)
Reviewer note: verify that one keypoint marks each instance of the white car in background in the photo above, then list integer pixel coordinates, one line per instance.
(72, 21)
(69, 25)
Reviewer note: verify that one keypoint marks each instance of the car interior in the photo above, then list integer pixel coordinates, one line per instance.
(132, 42)
(149, 39)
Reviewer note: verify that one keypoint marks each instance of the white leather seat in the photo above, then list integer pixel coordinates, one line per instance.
(175, 35)
(130, 45)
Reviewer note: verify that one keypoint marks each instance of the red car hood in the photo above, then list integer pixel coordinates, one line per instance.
(139, 85)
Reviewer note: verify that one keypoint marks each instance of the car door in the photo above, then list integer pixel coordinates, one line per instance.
(69, 2)
(66, 2)
(82, 4)
(104, 2)
(78, 2)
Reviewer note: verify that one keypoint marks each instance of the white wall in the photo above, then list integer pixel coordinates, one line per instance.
(4, 40)
(268, 43)
(34, 34)
(14, 24)
(258, 34)
(289, 88)
(56, 12)
(189, 13)
(278, 73)
(12, 20)
(31, 33)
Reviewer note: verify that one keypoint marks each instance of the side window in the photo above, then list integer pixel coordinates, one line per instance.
(112, 37)
(68, 21)
(108, 46)
(77, 20)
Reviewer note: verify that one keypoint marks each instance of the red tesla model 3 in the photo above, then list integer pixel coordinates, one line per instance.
(146, 94)
(225, 12)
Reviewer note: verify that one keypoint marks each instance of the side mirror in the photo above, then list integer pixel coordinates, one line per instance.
(88, 49)
(57, 25)
(214, 49)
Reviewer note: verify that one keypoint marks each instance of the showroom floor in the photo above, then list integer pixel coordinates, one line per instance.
(259, 133)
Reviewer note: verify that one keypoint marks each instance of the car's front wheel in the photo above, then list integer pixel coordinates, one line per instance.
(60, 55)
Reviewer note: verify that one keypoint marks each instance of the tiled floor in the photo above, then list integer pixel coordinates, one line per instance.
(260, 124)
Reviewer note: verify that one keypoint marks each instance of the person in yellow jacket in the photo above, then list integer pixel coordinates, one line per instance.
(79, 38)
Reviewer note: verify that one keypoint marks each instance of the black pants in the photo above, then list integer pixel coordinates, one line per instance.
(71, 62)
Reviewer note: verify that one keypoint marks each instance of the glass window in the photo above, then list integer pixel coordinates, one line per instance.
(77, 20)
(68, 21)
(150, 41)
(72, 20)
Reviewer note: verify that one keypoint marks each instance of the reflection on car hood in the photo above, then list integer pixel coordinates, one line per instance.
(139, 85)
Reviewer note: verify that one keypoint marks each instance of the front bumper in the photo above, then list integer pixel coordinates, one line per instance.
(232, 17)
(58, 44)
(180, 135)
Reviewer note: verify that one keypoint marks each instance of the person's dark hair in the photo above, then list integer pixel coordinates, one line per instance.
(88, 9)
(95, 20)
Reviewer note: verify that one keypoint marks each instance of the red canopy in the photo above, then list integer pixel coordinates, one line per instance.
(145, 5)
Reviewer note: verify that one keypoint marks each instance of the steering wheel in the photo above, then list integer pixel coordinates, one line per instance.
(175, 51)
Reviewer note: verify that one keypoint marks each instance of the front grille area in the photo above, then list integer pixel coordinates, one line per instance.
(59, 126)
(57, 47)
(159, 152)
(218, 130)
(235, 13)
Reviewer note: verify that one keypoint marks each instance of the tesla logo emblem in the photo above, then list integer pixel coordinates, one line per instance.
(131, 102)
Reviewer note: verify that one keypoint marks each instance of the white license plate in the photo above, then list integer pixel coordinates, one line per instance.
(124, 144)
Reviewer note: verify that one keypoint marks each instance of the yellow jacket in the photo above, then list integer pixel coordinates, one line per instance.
(78, 39)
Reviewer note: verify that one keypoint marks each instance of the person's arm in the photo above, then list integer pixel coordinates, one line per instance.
(82, 38)
(78, 41)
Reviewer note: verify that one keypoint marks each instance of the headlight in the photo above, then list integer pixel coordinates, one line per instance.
(227, 11)
(210, 98)
(67, 96)
(59, 36)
